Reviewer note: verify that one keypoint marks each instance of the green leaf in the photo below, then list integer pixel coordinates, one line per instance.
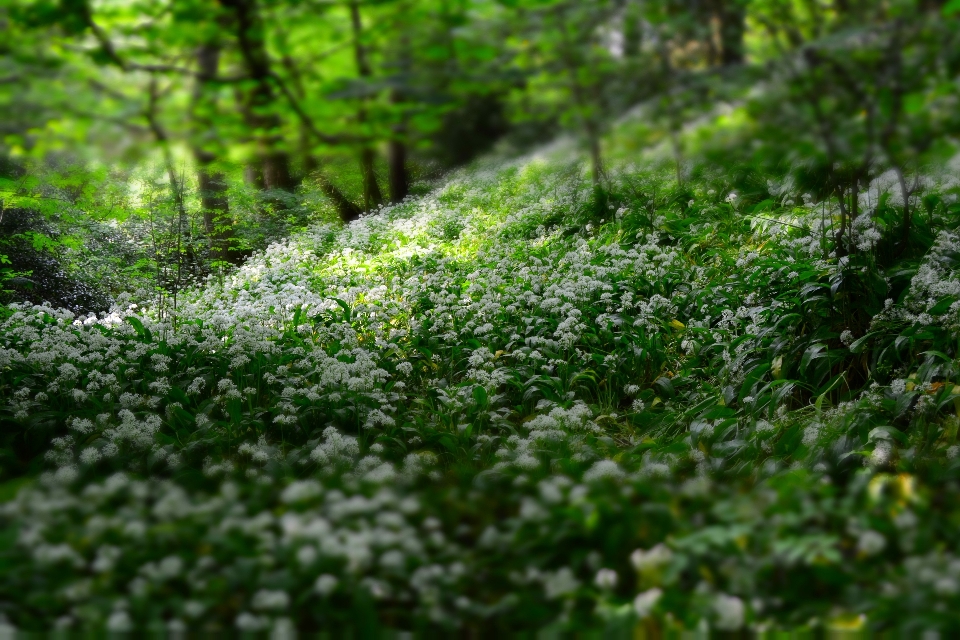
(480, 395)
(812, 353)
(943, 305)
(884, 432)
(136, 325)
(344, 306)
(858, 344)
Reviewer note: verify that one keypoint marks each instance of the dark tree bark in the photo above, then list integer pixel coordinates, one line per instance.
(572, 63)
(372, 196)
(345, 207)
(276, 171)
(632, 33)
(311, 167)
(399, 179)
(258, 104)
(732, 17)
(253, 175)
(210, 181)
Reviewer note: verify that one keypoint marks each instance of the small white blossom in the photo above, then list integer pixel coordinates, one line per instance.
(605, 579)
(730, 612)
(871, 542)
(658, 556)
(644, 603)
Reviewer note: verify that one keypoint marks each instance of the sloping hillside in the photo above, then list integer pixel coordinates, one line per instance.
(514, 403)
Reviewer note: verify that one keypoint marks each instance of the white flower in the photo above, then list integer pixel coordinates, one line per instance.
(644, 603)
(325, 584)
(606, 579)
(603, 469)
(656, 557)
(846, 337)
(560, 583)
(176, 627)
(90, 455)
(730, 612)
(871, 542)
(881, 453)
(283, 629)
(246, 621)
(267, 600)
(763, 426)
(300, 491)
(119, 622)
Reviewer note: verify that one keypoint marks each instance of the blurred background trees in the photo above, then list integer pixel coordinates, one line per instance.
(201, 129)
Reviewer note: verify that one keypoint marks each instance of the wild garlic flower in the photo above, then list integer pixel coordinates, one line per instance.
(645, 602)
(606, 579)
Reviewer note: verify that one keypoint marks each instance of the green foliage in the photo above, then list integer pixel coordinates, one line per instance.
(706, 382)
(535, 399)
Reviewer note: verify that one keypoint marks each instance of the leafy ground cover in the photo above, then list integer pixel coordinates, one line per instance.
(516, 403)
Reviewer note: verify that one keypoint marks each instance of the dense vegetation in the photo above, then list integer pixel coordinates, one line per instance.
(690, 367)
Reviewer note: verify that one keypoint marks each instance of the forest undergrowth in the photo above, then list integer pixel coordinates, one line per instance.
(516, 403)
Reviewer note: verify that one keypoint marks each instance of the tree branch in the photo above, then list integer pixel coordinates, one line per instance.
(306, 120)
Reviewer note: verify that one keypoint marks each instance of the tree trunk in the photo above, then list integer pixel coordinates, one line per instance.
(276, 171)
(596, 162)
(372, 196)
(732, 17)
(399, 181)
(581, 96)
(632, 33)
(348, 210)
(211, 182)
(258, 104)
(253, 175)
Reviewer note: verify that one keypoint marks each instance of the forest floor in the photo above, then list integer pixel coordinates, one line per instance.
(516, 403)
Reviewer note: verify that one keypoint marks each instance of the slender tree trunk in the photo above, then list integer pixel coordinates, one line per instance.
(311, 168)
(177, 191)
(372, 196)
(732, 16)
(211, 182)
(276, 171)
(253, 175)
(588, 120)
(397, 149)
(632, 33)
(345, 207)
(399, 180)
(673, 112)
(258, 105)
